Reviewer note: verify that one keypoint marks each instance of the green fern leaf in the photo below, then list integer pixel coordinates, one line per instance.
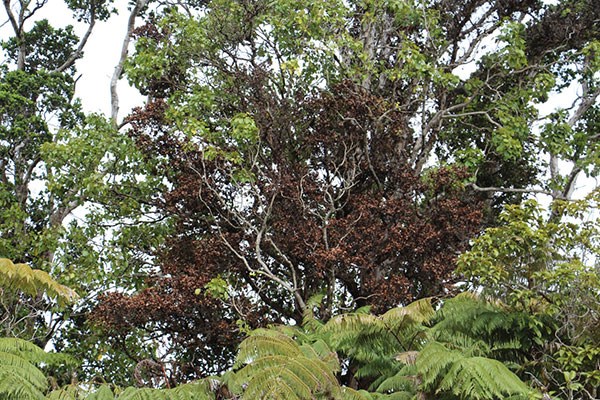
(399, 383)
(415, 313)
(102, 392)
(21, 369)
(264, 345)
(277, 389)
(33, 282)
(276, 381)
(482, 378)
(131, 393)
(351, 394)
(67, 393)
(15, 385)
(191, 391)
(276, 366)
(443, 370)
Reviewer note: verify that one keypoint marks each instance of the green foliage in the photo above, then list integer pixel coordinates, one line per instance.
(276, 367)
(190, 391)
(33, 282)
(232, 76)
(449, 371)
(46, 47)
(540, 266)
(454, 353)
(20, 375)
(383, 339)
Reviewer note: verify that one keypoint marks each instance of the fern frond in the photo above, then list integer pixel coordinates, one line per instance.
(71, 392)
(347, 326)
(276, 382)
(321, 351)
(401, 382)
(203, 389)
(132, 393)
(433, 361)
(314, 373)
(199, 390)
(416, 313)
(399, 396)
(22, 348)
(262, 345)
(482, 378)
(380, 337)
(23, 369)
(20, 383)
(33, 282)
(32, 353)
(443, 370)
(277, 389)
(484, 328)
(276, 366)
(377, 367)
(103, 392)
(351, 394)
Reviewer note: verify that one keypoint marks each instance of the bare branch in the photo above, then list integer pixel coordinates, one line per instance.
(514, 190)
(79, 51)
(114, 97)
(38, 6)
(12, 19)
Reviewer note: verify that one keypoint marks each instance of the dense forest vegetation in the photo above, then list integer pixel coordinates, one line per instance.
(318, 199)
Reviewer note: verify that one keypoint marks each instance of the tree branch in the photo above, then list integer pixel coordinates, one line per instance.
(514, 190)
(114, 97)
(79, 51)
(12, 19)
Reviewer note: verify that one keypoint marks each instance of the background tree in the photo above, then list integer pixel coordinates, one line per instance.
(64, 178)
(37, 106)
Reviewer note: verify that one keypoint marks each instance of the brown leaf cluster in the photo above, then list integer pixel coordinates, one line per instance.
(333, 208)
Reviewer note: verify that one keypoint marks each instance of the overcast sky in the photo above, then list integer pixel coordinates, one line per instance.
(100, 57)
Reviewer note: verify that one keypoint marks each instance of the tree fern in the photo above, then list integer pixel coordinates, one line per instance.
(449, 371)
(486, 328)
(194, 391)
(396, 330)
(199, 390)
(15, 385)
(374, 342)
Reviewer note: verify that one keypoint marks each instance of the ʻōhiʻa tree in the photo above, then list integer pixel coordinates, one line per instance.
(335, 148)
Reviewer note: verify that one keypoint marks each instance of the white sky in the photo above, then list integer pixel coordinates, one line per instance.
(101, 54)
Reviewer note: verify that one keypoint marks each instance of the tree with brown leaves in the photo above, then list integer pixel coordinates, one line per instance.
(334, 150)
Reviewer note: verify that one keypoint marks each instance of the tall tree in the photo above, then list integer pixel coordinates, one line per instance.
(336, 148)
(65, 185)
(37, 107)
